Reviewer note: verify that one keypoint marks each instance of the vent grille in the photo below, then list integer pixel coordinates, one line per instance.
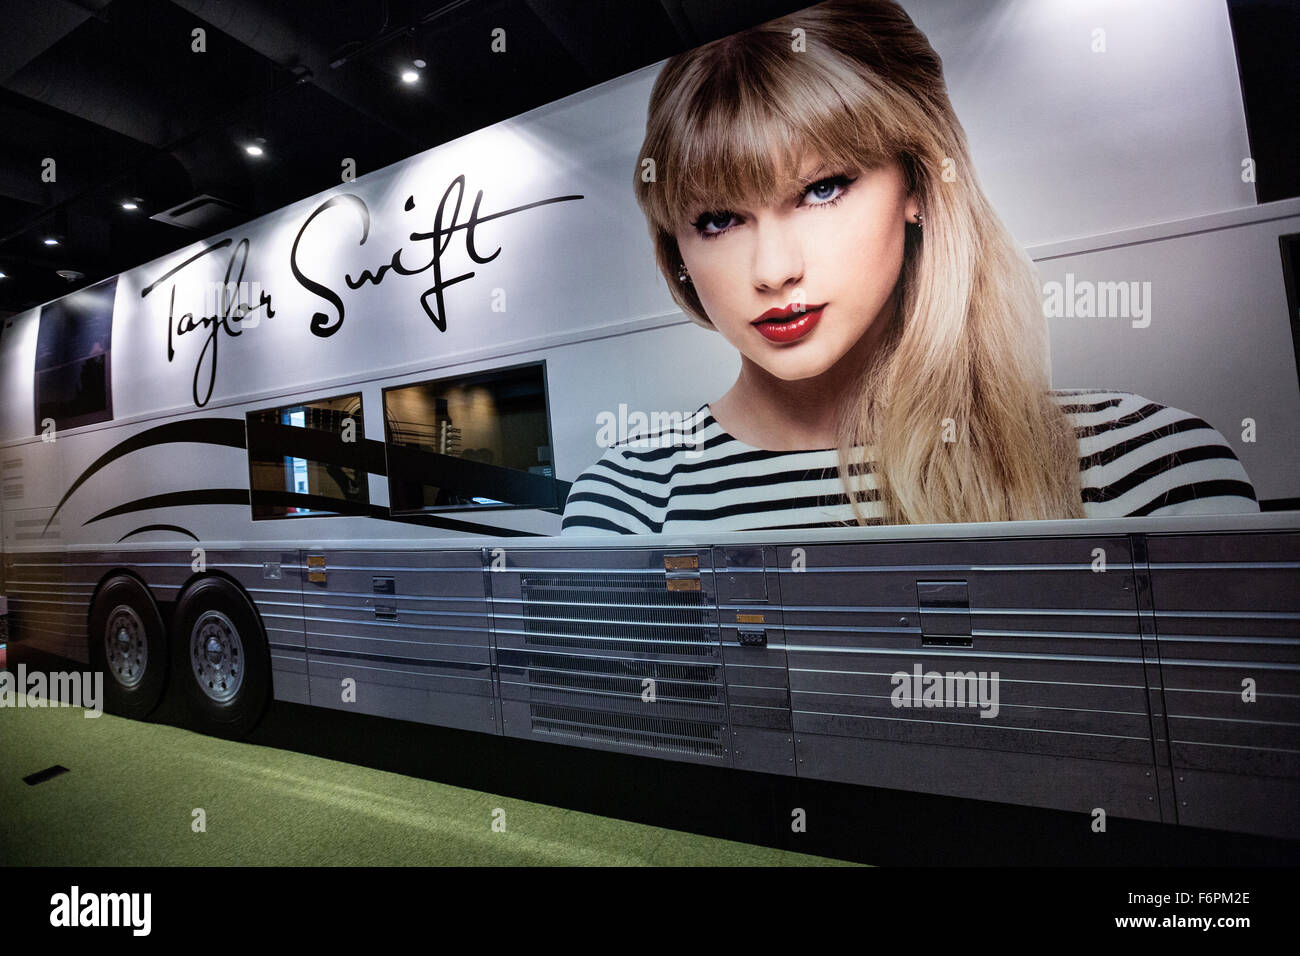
(201, 212)
(665, 690)
(622, 623)
(659, 670)
(682, 736)
(627, 613)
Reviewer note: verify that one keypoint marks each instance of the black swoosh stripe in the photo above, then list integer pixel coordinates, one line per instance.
(466, 477)
(1279, 504)
(158, 527)
(230, 433)
(268, 441)
(204, 431)
(203, 496)
(239, 496)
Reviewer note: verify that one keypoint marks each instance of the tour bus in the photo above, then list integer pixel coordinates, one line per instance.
(323, 458)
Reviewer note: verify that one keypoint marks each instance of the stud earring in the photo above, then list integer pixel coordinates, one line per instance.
(682, 274)
(920, 221)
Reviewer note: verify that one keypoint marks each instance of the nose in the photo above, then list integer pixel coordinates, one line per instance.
(778, 256)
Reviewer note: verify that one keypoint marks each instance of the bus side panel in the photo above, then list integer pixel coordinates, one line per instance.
(42, 615)
(401, 634)
(612, 649)
(1228, 623)
(279, 596)
(753, 641)
(1046, 702)
(273, 581)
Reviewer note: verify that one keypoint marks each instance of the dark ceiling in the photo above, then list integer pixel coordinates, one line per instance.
(113, 92)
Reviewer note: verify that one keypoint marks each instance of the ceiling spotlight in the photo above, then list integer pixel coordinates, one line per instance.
(72, 275)
(252, 149)
(51, 241)
(419, 64)
(410, 76)
(3, 276)
(129, 206)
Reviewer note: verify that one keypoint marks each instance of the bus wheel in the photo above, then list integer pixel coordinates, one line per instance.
(128, 645)
(222, 660)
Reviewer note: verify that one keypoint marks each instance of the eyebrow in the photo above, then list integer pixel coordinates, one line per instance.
(815, 174)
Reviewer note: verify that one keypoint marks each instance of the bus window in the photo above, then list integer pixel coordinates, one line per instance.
(72, 358)
(307, 459)
(477, 441)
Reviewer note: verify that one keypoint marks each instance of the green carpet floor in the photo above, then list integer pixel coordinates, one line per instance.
(130, 796)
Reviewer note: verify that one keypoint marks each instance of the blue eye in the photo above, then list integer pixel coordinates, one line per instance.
(714, 223)
(826, 191)
(823, 192)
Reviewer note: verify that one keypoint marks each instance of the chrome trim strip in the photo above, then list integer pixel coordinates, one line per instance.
(954, 652)
(957, 723)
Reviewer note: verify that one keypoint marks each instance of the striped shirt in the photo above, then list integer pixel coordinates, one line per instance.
(1136, 458)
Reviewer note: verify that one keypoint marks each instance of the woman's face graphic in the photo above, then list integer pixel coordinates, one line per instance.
(796, 285)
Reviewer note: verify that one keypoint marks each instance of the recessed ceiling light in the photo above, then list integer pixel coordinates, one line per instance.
(410, 76)
(419, 64)
(128, 205)
(3, 276)
(51, 241)
(252, 149)
(72, 275)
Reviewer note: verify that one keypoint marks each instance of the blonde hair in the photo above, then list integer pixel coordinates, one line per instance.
(966, 351)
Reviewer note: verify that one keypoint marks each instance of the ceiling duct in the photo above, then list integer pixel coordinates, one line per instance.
(202, 212)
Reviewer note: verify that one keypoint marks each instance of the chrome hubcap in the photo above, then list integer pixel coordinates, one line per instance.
(125, 646)
(217, 656)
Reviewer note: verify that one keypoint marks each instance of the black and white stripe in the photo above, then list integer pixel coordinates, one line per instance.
(1136, 458)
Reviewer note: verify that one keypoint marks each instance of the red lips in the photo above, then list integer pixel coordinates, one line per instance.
(788, 324)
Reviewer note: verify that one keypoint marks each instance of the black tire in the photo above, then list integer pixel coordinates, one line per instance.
(128, 645)
(222, 662)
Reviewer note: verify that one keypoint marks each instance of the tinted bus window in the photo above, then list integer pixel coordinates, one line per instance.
(72, 358)
(478, 441)
(308, 459)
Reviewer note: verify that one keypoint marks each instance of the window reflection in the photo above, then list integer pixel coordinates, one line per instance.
(308, 459)
(478, 441)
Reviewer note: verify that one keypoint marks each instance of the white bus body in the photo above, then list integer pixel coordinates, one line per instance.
(1161, 686)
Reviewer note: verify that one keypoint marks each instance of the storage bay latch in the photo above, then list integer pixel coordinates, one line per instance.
(945, 613)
